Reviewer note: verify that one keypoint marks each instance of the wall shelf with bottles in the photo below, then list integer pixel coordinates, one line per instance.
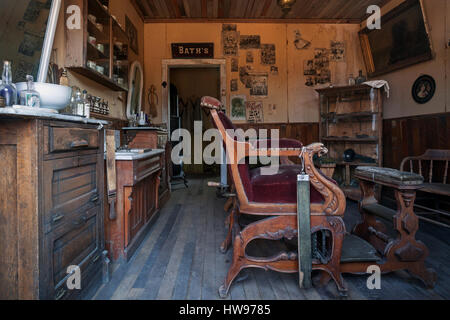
(351, 117)
(99, 50)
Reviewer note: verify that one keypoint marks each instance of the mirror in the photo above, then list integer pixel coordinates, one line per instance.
(26, 36)
(135, 90)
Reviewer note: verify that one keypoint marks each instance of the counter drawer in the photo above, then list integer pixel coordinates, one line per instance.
(69, 184)
(76, 243)
(72, 139)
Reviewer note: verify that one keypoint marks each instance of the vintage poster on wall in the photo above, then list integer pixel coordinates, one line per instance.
(321, 58)
(234, 85)
(244, 76)
(274, 70)
(308, 68)
(337, 51)
(230, 40)
(238, 107)
(234, 64)
(259, 84)
(249, 57)
(268, 56)
(250, 42)
(255, 112)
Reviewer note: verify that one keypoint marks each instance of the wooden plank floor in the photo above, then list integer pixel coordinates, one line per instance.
(180, 259)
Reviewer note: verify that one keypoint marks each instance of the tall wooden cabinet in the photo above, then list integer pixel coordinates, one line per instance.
(351, 118)
(51, 207)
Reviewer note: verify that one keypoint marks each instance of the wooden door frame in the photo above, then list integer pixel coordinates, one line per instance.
(168, 64)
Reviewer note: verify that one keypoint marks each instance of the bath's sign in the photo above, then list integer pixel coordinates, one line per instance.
(193, 50)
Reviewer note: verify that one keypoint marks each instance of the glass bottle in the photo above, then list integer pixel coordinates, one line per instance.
(64, 80)
(7, 89)
(79, 104)
(351, 80)
(87, 105)
(30, 97)
(360, 79)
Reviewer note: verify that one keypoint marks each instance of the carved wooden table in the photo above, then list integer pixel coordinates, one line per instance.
(399, 250)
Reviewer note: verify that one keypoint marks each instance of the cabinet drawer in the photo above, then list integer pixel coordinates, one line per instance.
(72, 139)
(76, 243)
(69, 184)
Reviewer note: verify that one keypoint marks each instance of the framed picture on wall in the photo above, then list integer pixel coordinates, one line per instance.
(403, 40)
(132, 33)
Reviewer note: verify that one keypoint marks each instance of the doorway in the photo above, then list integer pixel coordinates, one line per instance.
(187, 81)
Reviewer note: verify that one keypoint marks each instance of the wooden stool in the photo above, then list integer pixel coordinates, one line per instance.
(401, 251)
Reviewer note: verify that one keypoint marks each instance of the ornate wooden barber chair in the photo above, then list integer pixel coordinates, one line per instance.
(273, 198)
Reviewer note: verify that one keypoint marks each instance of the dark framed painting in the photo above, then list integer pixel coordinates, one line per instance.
(423, 89)
(132, 33)
(403, 40)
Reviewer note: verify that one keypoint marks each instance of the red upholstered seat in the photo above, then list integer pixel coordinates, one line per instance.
(279, 188)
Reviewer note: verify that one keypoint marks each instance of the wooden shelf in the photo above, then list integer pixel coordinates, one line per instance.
(352, 118)
(101, 36)
(80, 51)
(94, 54)
(99, 78)
(335, 91)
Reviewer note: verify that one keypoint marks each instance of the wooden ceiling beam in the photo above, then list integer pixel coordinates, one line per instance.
(187, 8)
(220, 9)
(266, 8)
(204, 8)
(176, 9)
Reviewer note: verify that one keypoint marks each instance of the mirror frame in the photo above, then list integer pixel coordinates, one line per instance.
(134, 66)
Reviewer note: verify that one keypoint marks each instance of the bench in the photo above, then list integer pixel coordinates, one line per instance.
(398, 248)
(434, 166)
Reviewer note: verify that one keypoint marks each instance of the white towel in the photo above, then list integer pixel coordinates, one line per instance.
(379, 84)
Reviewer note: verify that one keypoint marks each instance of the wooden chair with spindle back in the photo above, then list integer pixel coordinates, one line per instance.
(433, 165)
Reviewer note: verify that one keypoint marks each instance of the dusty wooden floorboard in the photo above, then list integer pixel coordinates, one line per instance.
(180, 259)
(196, 274)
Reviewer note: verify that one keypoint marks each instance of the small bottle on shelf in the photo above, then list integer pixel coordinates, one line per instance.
(351, 80)
(64, 80)
(7, 89)
(30, 97)
(360, 79)
(87, 105)
(79, 104)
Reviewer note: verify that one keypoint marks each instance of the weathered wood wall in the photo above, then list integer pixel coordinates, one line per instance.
(412, 136)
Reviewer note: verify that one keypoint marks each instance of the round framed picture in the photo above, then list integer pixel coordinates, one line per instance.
(423, 89)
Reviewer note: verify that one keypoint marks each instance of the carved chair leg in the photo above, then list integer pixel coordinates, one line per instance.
(335, 263)
(237, 265)
(332, 270)
(427, 275)
(228, 204)
(275, 228)
(227, 242)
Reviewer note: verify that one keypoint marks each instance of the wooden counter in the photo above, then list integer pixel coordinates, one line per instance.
(138, 179)
(51, 204)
